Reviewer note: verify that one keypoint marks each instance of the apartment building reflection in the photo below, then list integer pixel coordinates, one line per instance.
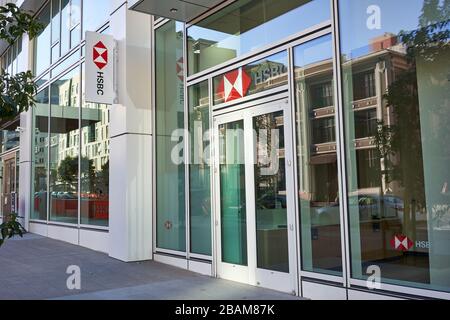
(377, 197)
(64, 145)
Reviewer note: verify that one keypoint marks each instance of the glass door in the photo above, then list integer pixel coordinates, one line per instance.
(255, 236)
(8, 186)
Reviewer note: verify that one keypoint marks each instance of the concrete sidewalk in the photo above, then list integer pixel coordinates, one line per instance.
(35, 268)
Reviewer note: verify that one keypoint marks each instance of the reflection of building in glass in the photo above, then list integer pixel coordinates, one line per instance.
(265, 74)
(387, 200)
(317, 124)
(94, 127)
(9, 140)
(207, 53)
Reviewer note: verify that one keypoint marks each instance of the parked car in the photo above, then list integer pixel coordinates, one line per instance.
(271, 201)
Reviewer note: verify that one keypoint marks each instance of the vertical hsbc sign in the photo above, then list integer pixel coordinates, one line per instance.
(99, 74)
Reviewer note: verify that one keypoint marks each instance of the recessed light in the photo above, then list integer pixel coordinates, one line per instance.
(173, 10)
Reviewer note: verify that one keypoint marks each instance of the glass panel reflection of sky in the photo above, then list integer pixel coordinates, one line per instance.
(269, 30)
(354, 16)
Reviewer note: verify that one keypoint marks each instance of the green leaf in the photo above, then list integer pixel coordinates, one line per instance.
(16, 94)
(14, 22)
(10, 228)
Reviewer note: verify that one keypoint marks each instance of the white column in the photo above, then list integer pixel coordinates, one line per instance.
(26, 124)
(130, 224)
(25, 162)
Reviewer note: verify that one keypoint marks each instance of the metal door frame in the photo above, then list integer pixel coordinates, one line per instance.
(251, 274)
(7, 157)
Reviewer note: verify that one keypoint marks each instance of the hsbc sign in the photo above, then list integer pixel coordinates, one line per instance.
(234, 85)
(100, 55)
(401, 242)
(99, 74)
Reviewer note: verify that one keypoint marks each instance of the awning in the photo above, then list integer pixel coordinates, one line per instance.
(173, 9)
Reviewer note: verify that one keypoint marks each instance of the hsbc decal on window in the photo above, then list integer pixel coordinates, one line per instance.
(234, 85)
(99, 71)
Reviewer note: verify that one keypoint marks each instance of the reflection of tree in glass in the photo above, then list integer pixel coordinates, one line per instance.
(432, 35)
(92, 181)
(102, 179)
(68, 170)
(400, 144)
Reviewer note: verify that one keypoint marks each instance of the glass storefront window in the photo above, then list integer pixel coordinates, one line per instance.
(94, 175)
(40, 143)
(271, 205)
(65, 26)
(255, 77)
(10, 58)
(42, 42)
(9, 139)
(170, 164)
(199, 169)
(233, 212)
(67, 63)
(64, 142)
(56, 21)
(95, 14)
(396, 103)
(317, 158)
(247, 25)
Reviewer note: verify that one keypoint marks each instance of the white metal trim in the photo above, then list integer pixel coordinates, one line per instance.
(62, 224)
(250, 98)
(93, 227)
(322, 276)
(186, 155)
(257, 101)
(202, 257)
(399, 289)
(171, 252)
(293, 102)
(304, 35)
(341, 145)
(154, 136)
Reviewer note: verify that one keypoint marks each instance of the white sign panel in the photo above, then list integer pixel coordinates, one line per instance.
(99, 75)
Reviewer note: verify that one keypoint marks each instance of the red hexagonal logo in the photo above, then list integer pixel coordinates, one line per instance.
(234, 85)
(401, 242)
(100, 55)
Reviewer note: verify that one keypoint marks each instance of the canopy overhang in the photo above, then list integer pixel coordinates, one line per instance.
(179, 10)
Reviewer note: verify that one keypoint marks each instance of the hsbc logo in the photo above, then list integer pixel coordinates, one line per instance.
(234, 85)
(179, 68)
(401, 242)
(99, 72)
(100, 55)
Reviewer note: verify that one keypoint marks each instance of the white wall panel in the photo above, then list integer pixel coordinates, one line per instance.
(318, 291)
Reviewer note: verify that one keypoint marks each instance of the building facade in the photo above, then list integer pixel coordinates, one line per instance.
(293, 145)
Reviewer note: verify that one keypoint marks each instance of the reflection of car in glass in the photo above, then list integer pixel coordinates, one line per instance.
(63, 191)
(375, 207)
(326, 215)
(65, 195)
(271, 201)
